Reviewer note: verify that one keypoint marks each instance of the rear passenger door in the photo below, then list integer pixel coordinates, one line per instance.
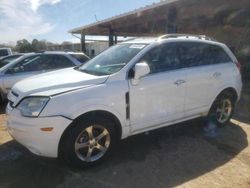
(206, 65)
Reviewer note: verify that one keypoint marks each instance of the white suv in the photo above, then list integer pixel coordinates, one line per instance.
(80, 113)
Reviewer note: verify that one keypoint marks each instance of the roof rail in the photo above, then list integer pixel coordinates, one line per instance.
(202, 37)
(67, 50)
(41, 51)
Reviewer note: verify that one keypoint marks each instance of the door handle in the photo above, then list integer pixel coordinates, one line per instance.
(179, 82)
(217, 74)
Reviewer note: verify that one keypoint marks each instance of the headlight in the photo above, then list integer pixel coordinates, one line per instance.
(32, 106)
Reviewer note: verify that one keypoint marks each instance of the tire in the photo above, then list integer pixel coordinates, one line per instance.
(222, 110)
(88, 142)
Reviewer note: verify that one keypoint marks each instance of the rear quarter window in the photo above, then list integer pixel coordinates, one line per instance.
(214, 54)
(80, 57)
(193, 54)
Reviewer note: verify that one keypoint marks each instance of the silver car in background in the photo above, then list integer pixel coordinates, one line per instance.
(36, 63)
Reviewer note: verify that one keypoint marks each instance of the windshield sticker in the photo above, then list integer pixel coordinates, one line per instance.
(138, 46)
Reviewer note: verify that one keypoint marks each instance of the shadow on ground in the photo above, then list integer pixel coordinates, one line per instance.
(163, 158)
(242, 111)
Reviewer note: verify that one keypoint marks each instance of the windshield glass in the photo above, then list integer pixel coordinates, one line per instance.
(112, 60)
(8, 60)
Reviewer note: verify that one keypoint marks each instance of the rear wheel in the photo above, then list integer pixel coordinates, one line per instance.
(222, 110)
(89, 142)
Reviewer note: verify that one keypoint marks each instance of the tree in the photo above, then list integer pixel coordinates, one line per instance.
(23, 46)
(42, 45)
(35, 45)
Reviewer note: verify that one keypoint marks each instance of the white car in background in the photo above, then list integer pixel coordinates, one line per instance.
(136, 86)
(5, 52)
(36, 63)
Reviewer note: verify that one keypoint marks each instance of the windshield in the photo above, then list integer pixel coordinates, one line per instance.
(112, 60)
(8, 60)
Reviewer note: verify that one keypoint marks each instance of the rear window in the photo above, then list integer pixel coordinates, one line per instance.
(80, 57)
(197, 54)
(216, 54)
(4, 52)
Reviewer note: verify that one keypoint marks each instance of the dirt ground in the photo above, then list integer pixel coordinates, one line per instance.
(183, 155)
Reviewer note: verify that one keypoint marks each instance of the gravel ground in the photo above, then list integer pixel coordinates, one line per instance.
(183, 155)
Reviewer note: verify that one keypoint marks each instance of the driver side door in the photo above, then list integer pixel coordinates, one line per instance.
(158, 97)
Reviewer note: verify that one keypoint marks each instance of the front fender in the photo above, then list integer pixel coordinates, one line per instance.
(85, 109)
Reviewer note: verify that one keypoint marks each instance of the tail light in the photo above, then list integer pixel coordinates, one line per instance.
(238, 66)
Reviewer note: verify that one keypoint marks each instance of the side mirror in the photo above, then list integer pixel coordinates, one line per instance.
(141, 69)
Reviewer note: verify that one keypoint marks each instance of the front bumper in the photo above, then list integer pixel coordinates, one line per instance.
(27, 131)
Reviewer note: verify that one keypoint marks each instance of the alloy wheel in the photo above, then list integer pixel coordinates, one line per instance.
(92, 143)
(224, 110)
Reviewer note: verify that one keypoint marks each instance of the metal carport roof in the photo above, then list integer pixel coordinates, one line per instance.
(221, 19)
(140, 22)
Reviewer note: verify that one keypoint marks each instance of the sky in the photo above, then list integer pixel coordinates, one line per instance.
(52, 19)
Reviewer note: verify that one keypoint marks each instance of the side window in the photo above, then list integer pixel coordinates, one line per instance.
(57, 62)
(27, 65)
(49, 62)
(152, 58)
(63, 62)
(191, 54)
(215, 54)
(162, 58)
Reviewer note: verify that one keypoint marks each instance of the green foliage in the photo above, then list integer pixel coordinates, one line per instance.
(24, 46)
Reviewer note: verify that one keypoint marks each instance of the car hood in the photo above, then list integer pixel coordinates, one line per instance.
(54, 82)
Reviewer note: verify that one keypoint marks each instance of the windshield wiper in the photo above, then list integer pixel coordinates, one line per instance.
(77, 66)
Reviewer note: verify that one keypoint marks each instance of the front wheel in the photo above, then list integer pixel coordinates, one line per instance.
(222, 110)
(89, 142)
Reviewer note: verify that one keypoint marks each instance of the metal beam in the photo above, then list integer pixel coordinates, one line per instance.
(115, 39)
(171, 20)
